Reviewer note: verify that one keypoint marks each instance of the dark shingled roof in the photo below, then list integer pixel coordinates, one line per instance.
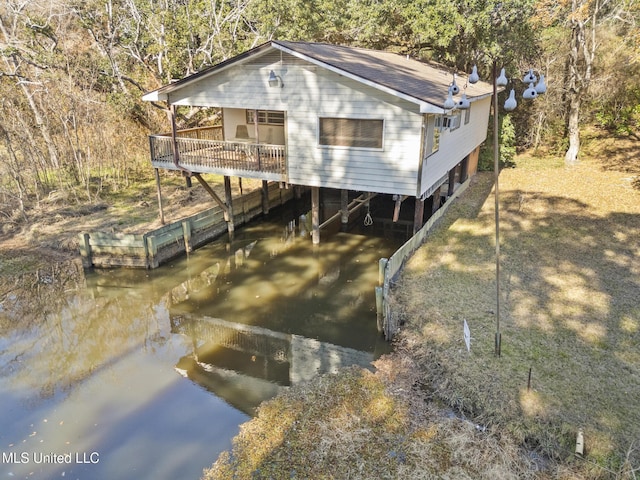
(407, 76)
(397, 74)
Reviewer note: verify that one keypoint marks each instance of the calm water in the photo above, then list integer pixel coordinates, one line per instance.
(149, 374)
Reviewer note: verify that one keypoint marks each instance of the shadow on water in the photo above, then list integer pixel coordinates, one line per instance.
(102, 369)
(269, 309)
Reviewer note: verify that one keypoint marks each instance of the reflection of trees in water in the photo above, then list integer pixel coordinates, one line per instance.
(68, 332)
(26, 299)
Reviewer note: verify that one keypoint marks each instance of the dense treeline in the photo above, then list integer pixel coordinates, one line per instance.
(72, 72)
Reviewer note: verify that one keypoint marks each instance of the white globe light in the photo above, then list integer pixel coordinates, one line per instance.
(530, 93)
(449, 103)
(502, 80)
(511, 103)
(474, 77)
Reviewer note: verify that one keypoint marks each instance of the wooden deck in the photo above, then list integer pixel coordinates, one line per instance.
(202, 151)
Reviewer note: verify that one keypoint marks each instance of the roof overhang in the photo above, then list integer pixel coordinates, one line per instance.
(155, 96)
(164, 93)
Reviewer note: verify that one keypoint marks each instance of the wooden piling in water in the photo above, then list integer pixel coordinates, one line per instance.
(344, 206)
(159, 193)
(229, 201)
(265, 197)
(315, 215)
(379, 311)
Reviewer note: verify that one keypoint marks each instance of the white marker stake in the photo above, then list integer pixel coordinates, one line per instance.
(467, 336)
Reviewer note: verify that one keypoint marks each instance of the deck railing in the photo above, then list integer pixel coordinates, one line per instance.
(215, 155)
(201, 133)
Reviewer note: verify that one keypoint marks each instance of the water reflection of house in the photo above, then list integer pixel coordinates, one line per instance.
(328, 117)
(245, 365)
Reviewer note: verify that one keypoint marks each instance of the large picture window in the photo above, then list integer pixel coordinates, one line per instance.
(351, 132)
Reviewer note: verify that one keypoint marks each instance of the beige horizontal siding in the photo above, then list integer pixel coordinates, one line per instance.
(456, 145)
(310, 92)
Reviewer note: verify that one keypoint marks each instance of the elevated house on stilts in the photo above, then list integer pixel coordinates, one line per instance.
(362, 122)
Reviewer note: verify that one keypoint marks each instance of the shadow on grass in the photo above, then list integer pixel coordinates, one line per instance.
(572, 284)
(619, 154)
(569, 283)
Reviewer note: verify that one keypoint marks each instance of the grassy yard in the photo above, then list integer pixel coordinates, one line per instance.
(570, 315)
(570, 282)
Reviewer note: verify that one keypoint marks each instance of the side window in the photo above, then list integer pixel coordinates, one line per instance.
(455, 120)
(432, 136)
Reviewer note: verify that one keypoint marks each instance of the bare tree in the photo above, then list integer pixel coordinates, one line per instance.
(582, 21)
(21, 63)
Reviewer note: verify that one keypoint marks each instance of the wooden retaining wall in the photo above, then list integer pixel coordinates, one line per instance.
(151, 249)
(389, 268)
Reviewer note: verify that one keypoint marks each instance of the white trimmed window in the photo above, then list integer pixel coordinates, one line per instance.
(350, 132)
(266, 117)
(434, 126)
(455, 118)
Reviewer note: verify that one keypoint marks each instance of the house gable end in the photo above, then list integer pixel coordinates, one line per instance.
(405, 78)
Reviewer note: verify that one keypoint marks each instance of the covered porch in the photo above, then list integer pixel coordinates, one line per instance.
(204, 150)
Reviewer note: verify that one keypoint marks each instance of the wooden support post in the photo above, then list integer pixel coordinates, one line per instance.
(152, 249)
(160, 209)
(213, 194)
(396, 210)
(265, 197)
(382, 266)
(344, 206)
(452, 182)
(379, 310)
(229, 201)
(315, 215)
(380, 292)
(436, 200)
(146, 251)
(174, 136)
(85, 250)
(418, 215)
(464, 169)
(187, 180)
(243, 200)
(186, 234)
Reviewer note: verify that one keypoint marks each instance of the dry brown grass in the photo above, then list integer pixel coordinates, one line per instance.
(570, 282)
(54, 223)
(570, 278)
(360, 425)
